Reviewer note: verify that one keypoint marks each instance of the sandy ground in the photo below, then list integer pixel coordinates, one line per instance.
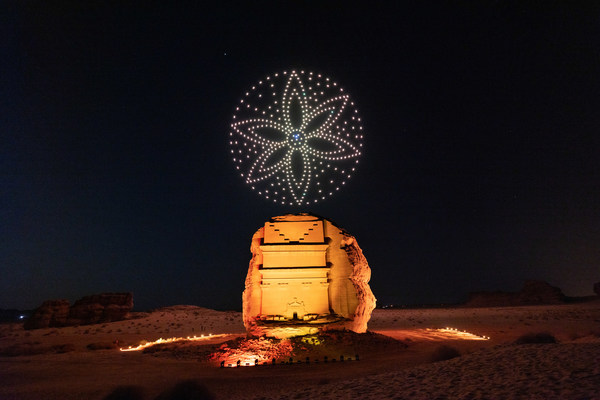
(59, 364)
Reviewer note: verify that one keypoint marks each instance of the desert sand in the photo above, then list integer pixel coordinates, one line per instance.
(82, 362)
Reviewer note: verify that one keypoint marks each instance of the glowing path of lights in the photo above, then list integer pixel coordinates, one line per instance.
(172, 340)
(432, 334)
(458, 334)
(249, 359)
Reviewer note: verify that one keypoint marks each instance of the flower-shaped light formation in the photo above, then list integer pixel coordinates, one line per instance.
(296, 137)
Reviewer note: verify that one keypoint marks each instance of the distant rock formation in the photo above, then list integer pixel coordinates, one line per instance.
(533, 292)
(597, 288)
(50, 314)
(105, 307)
(540, 292)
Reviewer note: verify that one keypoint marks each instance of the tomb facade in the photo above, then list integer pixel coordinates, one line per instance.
(305, 274)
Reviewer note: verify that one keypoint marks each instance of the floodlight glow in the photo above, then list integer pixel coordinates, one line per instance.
(296, 137)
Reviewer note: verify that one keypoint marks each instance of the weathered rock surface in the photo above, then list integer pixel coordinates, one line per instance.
(105, 307)
(52, 313)
(533, 293)
(360, 277)
(252, 293)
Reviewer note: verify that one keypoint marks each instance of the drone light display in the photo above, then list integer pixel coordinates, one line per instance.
(296, 137)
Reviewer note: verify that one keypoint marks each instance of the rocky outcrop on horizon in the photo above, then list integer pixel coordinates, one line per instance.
(50, 314)
(104, 307)
(597, 288)
(533, 293)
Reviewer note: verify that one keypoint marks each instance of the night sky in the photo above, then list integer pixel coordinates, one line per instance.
(481, 162)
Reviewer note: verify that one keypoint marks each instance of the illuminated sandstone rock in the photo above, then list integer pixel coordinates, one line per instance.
(305, 274)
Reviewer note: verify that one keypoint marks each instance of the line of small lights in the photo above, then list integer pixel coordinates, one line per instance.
(253, 361)
(171, 340)
(327, 116)
(462, 333)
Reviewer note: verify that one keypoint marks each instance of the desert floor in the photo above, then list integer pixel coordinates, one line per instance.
(59, 363)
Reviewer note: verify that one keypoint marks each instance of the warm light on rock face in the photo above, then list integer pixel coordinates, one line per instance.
(305, 274)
